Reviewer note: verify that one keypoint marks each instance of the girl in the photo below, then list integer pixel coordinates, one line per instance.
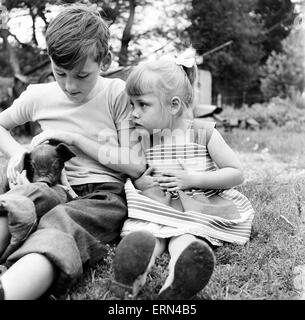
(189, 161)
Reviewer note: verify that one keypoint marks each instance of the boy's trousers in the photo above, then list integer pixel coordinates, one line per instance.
(74, 234)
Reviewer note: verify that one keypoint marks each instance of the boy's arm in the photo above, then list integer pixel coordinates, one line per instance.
(130, 149)
(18, 113)
(10, 147)
(126, 159)
(106, 151)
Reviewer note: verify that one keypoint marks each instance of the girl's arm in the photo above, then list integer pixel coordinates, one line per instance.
(129, 160)
(228, 175)
(230, 171)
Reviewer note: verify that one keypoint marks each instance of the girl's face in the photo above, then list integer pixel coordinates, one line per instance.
(148, 112)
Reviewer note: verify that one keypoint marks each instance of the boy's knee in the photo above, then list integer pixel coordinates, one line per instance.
(43, 197)
(59, 247)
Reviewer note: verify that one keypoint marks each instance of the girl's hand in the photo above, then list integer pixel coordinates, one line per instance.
(146, 181)
(14, 167)
(176, 180)
(63, 136)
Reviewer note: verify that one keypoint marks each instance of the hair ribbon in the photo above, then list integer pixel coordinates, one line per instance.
(186, 59)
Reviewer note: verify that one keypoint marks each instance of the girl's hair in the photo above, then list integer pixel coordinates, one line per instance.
(75, 34)
(165, 78)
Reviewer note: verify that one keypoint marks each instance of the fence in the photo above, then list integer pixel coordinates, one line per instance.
(236, 100)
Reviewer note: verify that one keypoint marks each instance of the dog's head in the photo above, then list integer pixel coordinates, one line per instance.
(46, 161)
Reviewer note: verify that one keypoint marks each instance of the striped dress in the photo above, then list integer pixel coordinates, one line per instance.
(164, 221)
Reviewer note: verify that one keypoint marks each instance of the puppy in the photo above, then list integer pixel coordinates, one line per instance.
(45, 164)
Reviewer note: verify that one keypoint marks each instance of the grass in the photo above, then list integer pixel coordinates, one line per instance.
(274, 164)
(263, 268)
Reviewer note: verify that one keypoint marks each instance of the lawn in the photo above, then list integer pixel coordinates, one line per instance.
(274, 163)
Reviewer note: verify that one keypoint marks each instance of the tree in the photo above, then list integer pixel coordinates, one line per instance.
(277, 17)
(21, 55)
(35, 8)
(283, 74)
(122, 13)
(215, 22)
(133, 37)
(256, 28)
(127, 35)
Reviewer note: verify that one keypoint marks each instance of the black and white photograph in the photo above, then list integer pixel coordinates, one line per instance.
(152, 150)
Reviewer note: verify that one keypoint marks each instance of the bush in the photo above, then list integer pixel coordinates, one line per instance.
(283, 73)
(276, 113)
(299, 100)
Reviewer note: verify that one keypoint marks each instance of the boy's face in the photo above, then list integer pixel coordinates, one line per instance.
(78, 83)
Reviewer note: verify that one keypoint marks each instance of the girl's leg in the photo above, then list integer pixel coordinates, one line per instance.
(29, 278)
(135, 255)
(4, 234)
(190, 267)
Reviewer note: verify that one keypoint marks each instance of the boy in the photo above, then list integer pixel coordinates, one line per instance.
(73, 234)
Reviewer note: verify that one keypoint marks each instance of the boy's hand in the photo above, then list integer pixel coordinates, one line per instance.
(63, 136)
(20, 180)
(14, 167)
(66, 184)
(146, 181)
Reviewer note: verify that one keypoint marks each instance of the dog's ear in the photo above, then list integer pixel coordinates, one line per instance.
(27, 166)
(53, 142)
(26, 161)
(65, 152)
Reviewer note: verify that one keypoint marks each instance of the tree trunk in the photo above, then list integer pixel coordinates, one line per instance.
(14, 62)
(34, 38)
(123, 54)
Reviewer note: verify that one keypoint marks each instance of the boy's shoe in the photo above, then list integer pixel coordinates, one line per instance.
(132, 261)
(193, 270)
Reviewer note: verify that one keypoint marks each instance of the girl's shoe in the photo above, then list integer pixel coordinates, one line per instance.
(132, 262)
(192, 272)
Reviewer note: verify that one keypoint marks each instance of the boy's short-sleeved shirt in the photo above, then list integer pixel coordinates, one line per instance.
(98, 119)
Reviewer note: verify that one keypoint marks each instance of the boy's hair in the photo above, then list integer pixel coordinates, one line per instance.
(165, 79)
(75, 34)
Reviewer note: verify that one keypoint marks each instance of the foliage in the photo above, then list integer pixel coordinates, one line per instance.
(283, 74)
(275, 113)
(214, 22)
(6, 69)
(251, 25)
(277, 17)
(149, 35)
(255, 28)
(131, 41)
